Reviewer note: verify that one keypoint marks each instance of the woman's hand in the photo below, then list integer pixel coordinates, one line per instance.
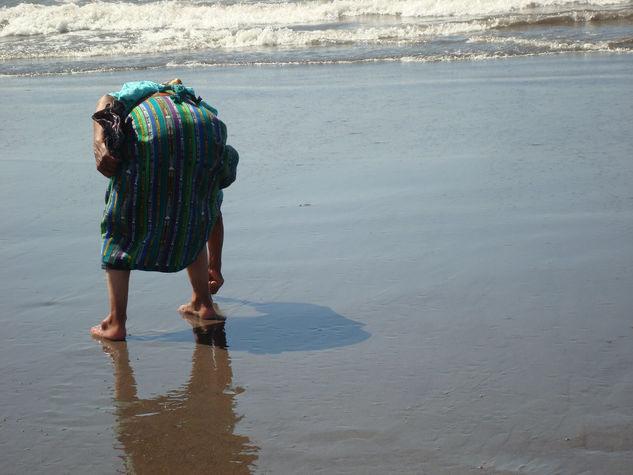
(106, 162)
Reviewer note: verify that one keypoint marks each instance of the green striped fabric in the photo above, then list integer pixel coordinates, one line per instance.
(165, 197)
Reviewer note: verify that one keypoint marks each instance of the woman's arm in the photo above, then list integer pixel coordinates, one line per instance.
(214, 245)
(106, 162)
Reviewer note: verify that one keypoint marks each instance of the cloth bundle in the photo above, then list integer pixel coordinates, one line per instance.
(165, 197)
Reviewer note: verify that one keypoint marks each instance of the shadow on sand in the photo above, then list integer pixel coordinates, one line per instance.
(280, 327)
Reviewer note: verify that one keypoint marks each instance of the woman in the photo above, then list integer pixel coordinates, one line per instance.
(165, 153)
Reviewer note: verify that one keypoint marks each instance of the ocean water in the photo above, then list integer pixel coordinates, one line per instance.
(65, 36)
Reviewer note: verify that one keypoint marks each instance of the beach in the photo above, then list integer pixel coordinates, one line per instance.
(428, 270)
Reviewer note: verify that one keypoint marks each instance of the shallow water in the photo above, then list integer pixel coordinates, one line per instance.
(428, 270)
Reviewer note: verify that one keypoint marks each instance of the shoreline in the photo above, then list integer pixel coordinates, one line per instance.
(202, 67)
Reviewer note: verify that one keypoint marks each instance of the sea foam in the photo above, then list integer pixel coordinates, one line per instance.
(337, 30)
(27, 19)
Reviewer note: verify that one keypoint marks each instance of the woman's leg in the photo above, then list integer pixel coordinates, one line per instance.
(113, 326)
(200, 304)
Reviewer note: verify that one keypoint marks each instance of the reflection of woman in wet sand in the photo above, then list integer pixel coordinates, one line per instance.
(190, 430)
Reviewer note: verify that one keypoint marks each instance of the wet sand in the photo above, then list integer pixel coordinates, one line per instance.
(428, 270)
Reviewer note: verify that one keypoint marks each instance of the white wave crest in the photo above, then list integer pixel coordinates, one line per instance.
(551, 45)
(27, 19)
(63, 35)
(169, 40)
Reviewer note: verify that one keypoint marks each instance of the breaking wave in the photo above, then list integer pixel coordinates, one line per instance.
(227, 32)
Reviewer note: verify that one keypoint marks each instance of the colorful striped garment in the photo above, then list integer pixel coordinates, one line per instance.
(166, 195)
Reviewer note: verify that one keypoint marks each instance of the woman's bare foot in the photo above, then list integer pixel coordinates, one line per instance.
(204, 311)
(109, 328)
(201, 304)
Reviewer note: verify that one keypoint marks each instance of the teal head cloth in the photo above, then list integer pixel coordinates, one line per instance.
(134, 92)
